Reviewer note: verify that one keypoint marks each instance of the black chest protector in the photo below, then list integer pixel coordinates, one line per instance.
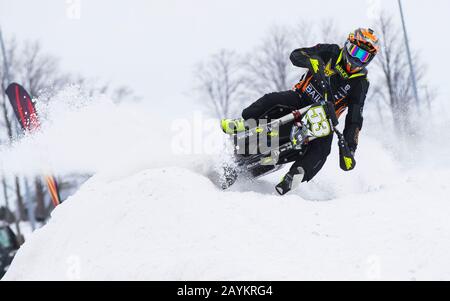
(342, 84)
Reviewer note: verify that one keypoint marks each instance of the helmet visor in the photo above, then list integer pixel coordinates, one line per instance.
(363, 55)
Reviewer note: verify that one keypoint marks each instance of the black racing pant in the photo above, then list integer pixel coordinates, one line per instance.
(278, 104)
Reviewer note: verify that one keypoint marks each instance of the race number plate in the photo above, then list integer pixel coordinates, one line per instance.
(318, 122)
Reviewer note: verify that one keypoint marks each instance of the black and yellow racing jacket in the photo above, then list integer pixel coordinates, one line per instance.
(349, 89)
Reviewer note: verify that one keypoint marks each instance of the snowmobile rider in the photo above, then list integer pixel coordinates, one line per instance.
(343, 72)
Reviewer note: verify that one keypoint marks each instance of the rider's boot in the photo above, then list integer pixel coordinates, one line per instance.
(290, 181)
(233, 126)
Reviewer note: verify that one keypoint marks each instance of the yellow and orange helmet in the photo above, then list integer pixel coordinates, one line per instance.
(360, 49)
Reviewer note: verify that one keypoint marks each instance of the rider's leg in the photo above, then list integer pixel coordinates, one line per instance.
(273, 105)
(270, 106)
(314, 158)
(306, 166)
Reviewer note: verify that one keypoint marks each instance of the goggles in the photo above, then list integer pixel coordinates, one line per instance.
(363, 55)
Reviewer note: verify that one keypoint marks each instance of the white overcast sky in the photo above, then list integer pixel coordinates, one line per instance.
(153, 45)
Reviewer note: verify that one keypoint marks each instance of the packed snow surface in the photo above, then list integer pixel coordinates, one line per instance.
(150, 213)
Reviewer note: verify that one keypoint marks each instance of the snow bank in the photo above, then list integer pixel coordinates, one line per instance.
(151, 213)
(174, 224)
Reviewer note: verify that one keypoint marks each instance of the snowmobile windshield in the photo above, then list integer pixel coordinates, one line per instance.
(359, 53)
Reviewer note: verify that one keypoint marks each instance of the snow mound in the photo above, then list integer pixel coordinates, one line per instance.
(151, 211)
(174, 224)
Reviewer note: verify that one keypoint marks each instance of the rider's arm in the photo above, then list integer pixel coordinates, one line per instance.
(354, 120)
(300, 57)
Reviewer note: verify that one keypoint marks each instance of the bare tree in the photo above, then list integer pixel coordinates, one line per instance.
(394, 87)
(268, 66)
(42, 212)
(36, 71)
(220, 81)
(8, 125)
(324, 31)
(7, 120)
(328, 31)
(95, 86)
(303, 34)
(123, 93)
(40, 71)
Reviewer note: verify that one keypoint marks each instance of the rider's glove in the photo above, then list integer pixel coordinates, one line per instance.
(317, 67)
(346, 156)
(316, 64)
